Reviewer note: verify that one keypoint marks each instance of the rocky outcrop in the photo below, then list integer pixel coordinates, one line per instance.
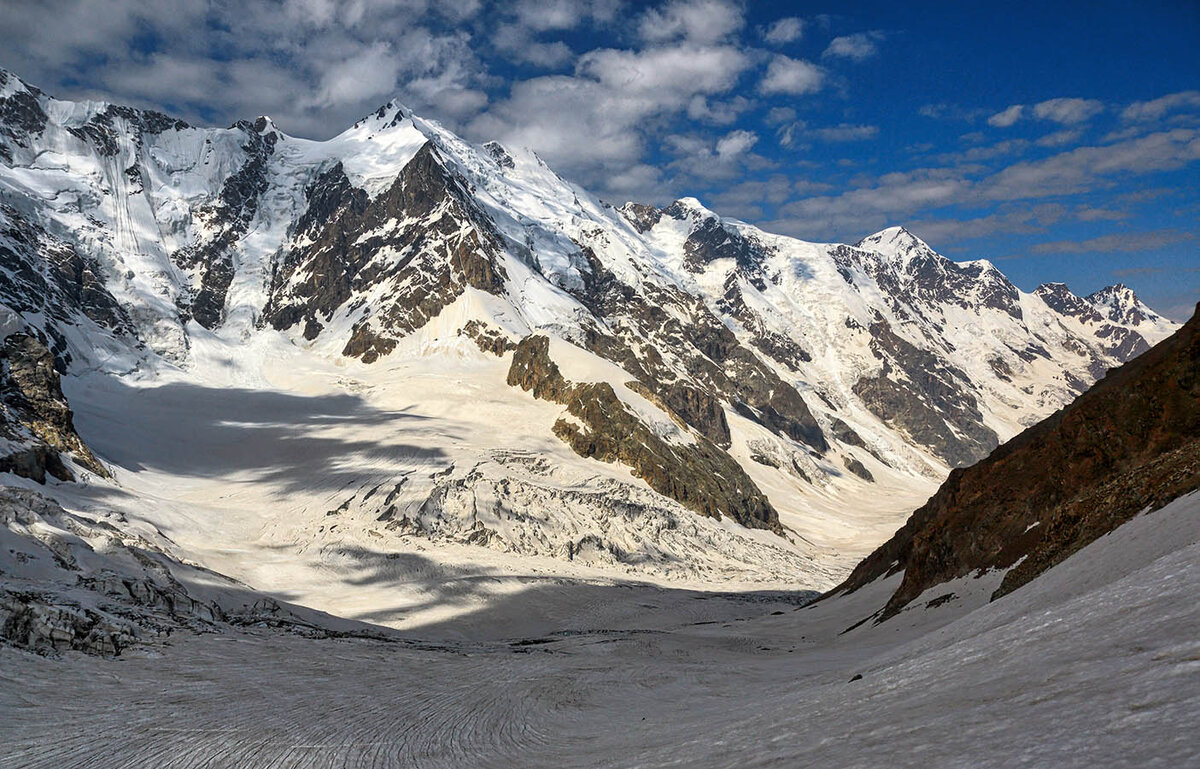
(686, 337)
(698, 475)
(37, 421)
(21, 116)
(1128, 445)
(41, 274)
(350, 245)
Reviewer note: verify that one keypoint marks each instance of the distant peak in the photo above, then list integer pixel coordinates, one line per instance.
(894, 241)
(1053, 288)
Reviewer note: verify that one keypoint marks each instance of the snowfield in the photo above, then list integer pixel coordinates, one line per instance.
(1096, 663)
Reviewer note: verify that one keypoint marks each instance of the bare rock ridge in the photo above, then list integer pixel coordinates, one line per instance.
(1129, 444)
(699, 476)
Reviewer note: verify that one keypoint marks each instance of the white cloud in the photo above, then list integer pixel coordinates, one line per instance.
(369, 74)
(516, 42)
(543, 15)
(700, 21)
(597, 122)
(668, 72)
(1117, 242)
(1068, 111)
(1155, 109)
(858, 47)
(792, 76)
(706, 110)
(736, 143)
(1060, 138)
(792, 134)
(1007, 117)
(785, 30)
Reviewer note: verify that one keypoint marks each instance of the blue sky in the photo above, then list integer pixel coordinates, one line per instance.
(1059, 139)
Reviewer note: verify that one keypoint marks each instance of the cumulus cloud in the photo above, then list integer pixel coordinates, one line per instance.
(666, 72)
(517, 43)
(700, 21)
(545, 15)
(604, 116)
(784, 30)
(736, 143)
(369, 74)
(858, 47)
(314, 65)
(791, 76)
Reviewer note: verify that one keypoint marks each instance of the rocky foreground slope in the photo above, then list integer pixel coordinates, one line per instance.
(720, 369)
(1128, 445)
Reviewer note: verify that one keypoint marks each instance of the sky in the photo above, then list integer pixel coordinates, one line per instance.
(1061, 140)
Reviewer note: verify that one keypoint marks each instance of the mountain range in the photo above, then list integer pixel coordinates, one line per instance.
(719, 369)
(392, 449)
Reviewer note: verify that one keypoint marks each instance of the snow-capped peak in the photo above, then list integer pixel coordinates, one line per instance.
(11, 84)
(1120, 304)
(690, 207)
(895, 242)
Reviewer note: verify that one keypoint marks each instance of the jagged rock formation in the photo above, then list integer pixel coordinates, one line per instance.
(1129, 444)
(36, 423)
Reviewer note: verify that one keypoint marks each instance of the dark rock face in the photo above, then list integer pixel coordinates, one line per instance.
(926, 278)
(699, 476)
(42, 274)
(1060, 299)
(497, 152)
(36, 413)
(859, 469)
(925, 398)
(710, 241)
(21, 116)
(1119, 304)
(1129, 444)
(488, 339)
(642, 217)
(102, 134)
(230, 216)
(349, 243)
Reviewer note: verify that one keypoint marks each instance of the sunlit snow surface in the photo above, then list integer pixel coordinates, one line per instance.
(1096, 663)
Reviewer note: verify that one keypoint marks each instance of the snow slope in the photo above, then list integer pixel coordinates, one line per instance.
(1093, 664)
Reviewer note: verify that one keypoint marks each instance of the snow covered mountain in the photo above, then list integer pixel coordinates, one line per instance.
(759, 405)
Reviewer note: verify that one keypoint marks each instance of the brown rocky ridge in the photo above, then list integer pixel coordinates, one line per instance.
(34, 416)
(1128, 445)
(700, 476)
